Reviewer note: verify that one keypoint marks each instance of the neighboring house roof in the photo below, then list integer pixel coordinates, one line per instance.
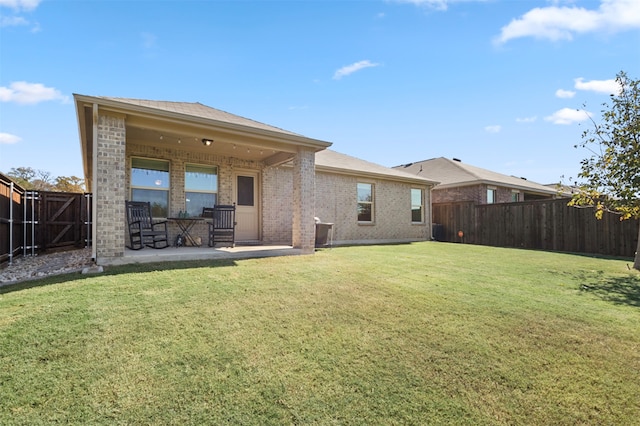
(196, 109)
(454, 173)
(332, 161)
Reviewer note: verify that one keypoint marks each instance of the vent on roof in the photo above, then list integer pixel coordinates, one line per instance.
(458, 160)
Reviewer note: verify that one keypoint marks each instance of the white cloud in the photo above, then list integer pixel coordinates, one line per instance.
(608, 87)
(25, 93)
(350, 69)
(435, 4)
(565, 94)
(562, 23)
(20, 4)
(527, 119)
(8, 138)
(12, 21)
(18, 21)
(493, 129)
(568, 116)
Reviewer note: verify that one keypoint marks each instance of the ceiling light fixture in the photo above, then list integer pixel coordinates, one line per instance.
(207, 142)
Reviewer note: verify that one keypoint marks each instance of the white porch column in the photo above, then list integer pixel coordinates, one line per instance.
(304, 175)
(110, 184)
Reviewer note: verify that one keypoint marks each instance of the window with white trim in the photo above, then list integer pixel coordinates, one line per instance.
(417, 205)
(365, 202)
(515, 196)
(491, 195)
(150, 182)
(200, 188)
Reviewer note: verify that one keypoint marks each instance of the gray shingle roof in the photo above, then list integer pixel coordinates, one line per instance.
(451, 173)
(334, 161)
(196, 109)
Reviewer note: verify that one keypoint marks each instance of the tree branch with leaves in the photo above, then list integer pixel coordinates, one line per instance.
(610, 177)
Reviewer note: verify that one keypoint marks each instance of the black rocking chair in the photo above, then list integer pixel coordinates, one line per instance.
(222, 227)
(143, 230)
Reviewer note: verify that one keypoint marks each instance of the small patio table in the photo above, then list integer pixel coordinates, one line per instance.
(185, 224)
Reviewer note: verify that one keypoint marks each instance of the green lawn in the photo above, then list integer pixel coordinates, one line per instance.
(427, 333)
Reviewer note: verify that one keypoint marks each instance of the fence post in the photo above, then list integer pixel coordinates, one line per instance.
(29, 195)
(87, 222)
(11, 223)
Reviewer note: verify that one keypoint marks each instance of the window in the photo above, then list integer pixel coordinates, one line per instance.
(417, 205)
(200, 188)
(245, 191)
(515, 196)
(150, 182)
(365, 202)
(491, 195)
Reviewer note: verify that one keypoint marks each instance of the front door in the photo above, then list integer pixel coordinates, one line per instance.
(247, 212)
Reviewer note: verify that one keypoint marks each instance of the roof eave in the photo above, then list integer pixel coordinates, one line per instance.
(123, 107)
(374, 175)
(497, 183)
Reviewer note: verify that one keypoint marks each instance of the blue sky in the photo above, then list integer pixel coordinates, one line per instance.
(496, 83)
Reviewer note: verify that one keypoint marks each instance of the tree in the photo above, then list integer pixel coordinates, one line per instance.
(40, 180)
(69, 184)
(23, 176)
(612, 173)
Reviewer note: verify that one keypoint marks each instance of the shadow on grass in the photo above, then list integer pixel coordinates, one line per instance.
(134, 268)
(619, 290)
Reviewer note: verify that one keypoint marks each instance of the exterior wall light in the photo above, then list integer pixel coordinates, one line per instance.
(207, 142)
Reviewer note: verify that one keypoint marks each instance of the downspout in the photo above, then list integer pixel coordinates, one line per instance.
(11, 223)
(430, 224)
(94, 185)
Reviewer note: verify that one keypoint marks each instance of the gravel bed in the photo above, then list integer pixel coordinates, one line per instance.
(39, 266)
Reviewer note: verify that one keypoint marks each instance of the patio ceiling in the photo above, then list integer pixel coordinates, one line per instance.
(190, 139)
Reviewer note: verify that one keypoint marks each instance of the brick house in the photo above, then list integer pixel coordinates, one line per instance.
(184, 156)
(463, 182)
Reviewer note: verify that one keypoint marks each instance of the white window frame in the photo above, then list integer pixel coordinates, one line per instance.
(494, 191)
(166, 189)
(371, 203)
(421, 205)
(214, 192)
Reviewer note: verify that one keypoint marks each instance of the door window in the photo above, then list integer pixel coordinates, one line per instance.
(245, 191)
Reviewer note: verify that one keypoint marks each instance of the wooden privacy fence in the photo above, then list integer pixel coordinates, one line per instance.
(11, 196)
(541, 224)
(35, 221)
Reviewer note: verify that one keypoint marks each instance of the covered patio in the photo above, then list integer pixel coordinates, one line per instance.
(182, 157)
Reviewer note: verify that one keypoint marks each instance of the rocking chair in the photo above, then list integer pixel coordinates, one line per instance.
(143, 230)
(222, 228)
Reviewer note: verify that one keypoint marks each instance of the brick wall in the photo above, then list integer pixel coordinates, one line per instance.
(304, 200)
(331, 197)
(277, 205)
(336, 202)
(477, 193)
(110, 170)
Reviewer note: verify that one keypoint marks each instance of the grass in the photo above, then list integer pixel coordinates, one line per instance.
(427, 333)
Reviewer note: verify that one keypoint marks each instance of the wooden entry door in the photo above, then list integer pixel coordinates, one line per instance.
(247, 208)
